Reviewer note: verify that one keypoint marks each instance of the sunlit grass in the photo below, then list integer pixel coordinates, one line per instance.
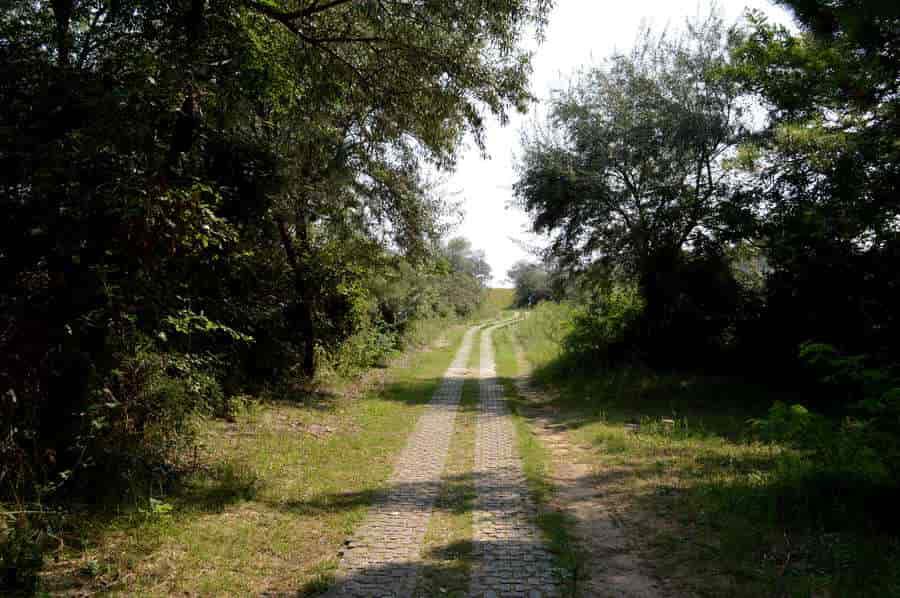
(285, 485)
(496, 302)
(536, 463)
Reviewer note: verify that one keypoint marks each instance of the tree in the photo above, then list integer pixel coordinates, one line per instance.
(531, 283)
(469, 261)
(628, 171)
(404, 82)
(825, 170)
(211, 182)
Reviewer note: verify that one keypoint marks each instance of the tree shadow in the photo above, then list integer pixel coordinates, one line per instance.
(432, 574)
(407, 497)
(710, 405)
(211, 489)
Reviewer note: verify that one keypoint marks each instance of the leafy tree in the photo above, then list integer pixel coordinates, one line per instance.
(531, 283)
(464, 259)
(825, 172)
(628, 172)
(203, 189)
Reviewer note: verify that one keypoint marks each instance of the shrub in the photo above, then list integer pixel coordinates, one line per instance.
(847, 467)
(26, 535)
(603, 330)
(21, 558)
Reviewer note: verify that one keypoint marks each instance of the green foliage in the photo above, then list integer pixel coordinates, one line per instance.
(187, 323)
(794, 424)
(602, 331)
(531, 282)
(630, 178)
(823, 168)
(786, 238)
(200, 197)
(795, 502)
(847, 471)
(21, 558)
(642, 135)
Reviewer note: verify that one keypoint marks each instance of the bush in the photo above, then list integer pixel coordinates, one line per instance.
(603, 331)
(27, 534)
(21, 558)
(847, 469)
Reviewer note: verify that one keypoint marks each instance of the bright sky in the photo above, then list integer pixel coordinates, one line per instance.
(580, 32)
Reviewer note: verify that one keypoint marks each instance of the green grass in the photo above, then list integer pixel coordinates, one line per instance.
(715, 511)
(536, 462)
(273, 496)
(495, 303)
(447, 548)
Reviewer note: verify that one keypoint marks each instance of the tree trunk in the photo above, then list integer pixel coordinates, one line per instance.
(62, 14)
(658, 282)
(304, 313)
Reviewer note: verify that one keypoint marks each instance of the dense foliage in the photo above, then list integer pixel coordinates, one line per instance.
(205, 196)
(738, 178)
(532, 283)
(628, 178)
(821, 197)
(729, 201)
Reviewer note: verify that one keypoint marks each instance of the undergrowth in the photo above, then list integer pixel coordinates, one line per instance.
(265, 501)
(720, 507)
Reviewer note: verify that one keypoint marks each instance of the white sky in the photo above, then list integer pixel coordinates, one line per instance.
(580, 32)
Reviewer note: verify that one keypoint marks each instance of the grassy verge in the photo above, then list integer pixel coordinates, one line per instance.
(717, 512)
(447, 549)
(495, 302)
(536, 462)
(270, 501)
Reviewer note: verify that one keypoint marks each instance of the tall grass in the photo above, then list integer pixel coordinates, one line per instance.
(542, 333)
(494, 303)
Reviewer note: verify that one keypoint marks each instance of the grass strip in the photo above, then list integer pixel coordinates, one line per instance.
(536, 462)
(447, 550)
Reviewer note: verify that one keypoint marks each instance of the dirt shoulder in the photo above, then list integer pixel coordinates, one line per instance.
(612, 562)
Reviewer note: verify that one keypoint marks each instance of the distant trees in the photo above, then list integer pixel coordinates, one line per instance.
(531, 283)
(464, 259)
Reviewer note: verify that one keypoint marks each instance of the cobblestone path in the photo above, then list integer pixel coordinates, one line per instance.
(380, 559)
(509, 554)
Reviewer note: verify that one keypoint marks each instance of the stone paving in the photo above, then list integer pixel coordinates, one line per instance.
(381, 558)
(509, 552)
